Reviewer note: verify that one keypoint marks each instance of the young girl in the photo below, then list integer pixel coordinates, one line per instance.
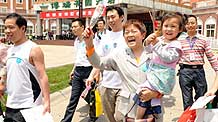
(166, 51)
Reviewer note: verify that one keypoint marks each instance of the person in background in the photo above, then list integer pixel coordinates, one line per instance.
(27, 82)
(191, 72)
(100, 33)
(110, 43)
(80, 72)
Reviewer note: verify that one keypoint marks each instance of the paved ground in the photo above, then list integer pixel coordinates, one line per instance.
(58, 55)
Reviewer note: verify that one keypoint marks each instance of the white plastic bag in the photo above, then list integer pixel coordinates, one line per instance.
(1, 118)
(35, 115)
(206, 115)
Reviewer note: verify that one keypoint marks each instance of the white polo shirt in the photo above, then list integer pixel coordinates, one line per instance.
(81, 58)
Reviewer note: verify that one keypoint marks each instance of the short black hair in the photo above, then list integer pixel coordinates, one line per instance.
(101, 19)
(80, 21)
(20, 20)
(191, 15)
(118, 9)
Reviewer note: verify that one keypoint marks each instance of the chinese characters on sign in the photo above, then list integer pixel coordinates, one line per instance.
(66, 14)
(68, 4)
(55, 5)
(109, 1)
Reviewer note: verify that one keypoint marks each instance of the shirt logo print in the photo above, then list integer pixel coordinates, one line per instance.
(18, 60)
(106, 46)
(144, 68)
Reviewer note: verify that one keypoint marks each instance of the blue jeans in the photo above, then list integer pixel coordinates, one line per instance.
(190, 79)
(78, 85)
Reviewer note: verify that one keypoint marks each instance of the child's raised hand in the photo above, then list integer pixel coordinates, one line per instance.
(151, 39)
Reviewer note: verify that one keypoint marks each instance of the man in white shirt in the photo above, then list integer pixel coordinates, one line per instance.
(80, 72)
(111, 82)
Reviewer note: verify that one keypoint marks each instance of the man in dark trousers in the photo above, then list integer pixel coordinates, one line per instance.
(80, 72)
(191, 73)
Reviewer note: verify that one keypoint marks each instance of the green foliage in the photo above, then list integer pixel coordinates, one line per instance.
(59, 77)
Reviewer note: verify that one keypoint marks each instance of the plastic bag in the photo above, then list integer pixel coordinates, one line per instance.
(98, 105)
(207, 115)
(188, 116)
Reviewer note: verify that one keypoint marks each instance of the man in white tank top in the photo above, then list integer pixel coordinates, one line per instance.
(27, 81)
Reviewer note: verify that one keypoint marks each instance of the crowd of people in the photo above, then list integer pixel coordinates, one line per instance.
(134, 70)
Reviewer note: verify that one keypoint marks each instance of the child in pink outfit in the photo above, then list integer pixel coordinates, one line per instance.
(166, 51)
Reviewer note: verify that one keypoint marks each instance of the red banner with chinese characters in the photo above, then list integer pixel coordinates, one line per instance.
(67, 13)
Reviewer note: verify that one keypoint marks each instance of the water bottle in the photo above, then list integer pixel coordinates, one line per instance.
(86, 91)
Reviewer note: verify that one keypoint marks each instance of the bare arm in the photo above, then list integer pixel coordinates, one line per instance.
(37, 59)
(148, 94)
(94, 75)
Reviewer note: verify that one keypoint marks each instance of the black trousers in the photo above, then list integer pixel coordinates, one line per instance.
(189, 80)
(78, 85)
(13, 115)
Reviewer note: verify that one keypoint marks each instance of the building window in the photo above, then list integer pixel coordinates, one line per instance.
(29, 30)
(210, 30)
(3, 9)
(199, 29)
(3, 1)
(2, 30)
(19, 1)
(200, 26)
(210, 27)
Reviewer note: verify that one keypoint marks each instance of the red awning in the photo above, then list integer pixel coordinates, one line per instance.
(66, 13)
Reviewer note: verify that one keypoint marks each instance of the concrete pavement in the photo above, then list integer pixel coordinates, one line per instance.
(59, 55)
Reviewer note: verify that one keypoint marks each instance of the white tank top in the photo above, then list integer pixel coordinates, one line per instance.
(23, 86)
